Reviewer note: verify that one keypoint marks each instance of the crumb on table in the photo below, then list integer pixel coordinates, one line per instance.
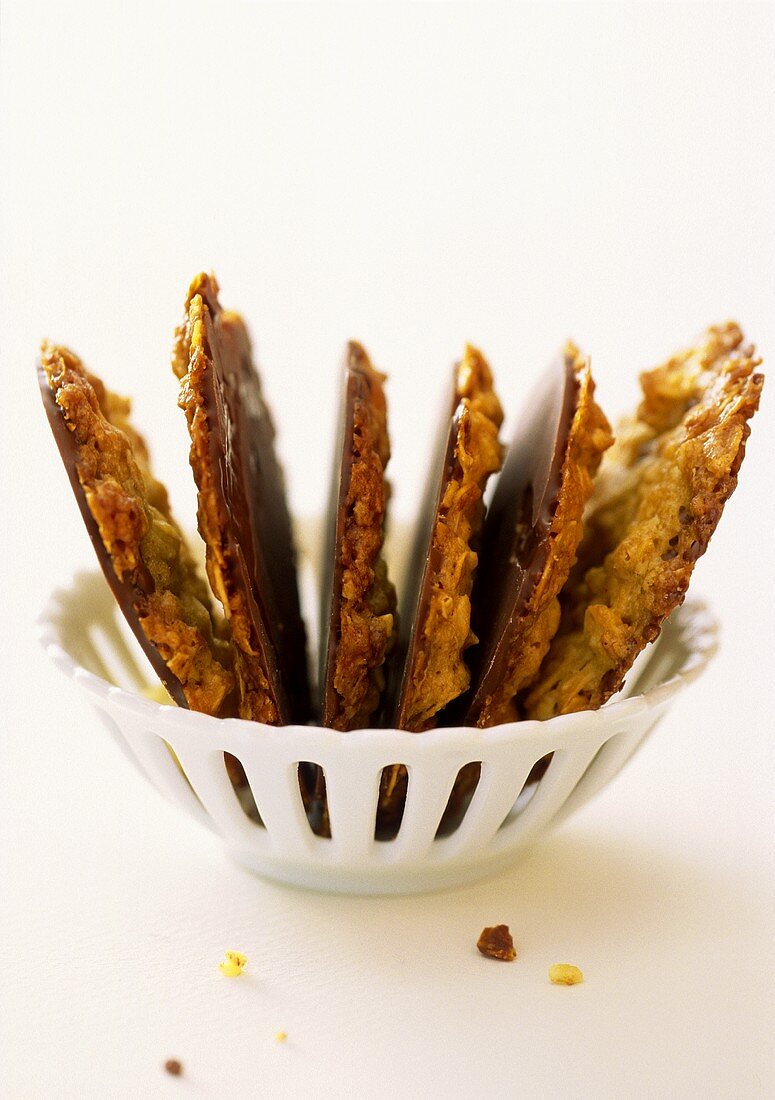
(281, 1036)
(173, 1067)
(565, 974)
(496, 943)
(233, 964)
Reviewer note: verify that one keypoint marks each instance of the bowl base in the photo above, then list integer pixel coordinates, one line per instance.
(373, 881)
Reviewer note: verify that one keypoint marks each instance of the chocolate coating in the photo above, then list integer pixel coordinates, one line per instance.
(127, 593)
(515, 539)
(257, 535)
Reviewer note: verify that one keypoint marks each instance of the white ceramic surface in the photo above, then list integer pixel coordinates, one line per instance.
(82, 634)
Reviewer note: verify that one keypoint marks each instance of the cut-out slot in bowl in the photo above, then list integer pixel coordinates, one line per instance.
(529, 789)
(242, 788)
(463, 791)
(474, 799)
(392, 802)
(314, 795)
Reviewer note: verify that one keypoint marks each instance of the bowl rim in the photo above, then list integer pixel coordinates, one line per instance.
(698, 626)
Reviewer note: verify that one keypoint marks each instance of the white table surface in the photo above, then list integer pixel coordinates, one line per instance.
(414, 177)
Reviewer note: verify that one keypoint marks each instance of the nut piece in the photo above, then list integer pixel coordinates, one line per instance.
(173, 1067)
(565, 974)
(233, 965)
(496, 943)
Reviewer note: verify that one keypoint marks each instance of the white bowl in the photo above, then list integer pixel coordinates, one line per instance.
(86, 637)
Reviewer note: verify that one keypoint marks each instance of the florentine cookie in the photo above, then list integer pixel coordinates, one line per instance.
(359, 603)
(439, 601)
(139, 546)
(437, 608)
(531, 534)
(243, 515)
(658, 497)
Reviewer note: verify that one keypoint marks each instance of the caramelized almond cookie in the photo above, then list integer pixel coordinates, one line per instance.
(531, 534)
(358, 613)
(657, 499)
(243, 515)
(139, 546)
(439, 602)
(437, 607)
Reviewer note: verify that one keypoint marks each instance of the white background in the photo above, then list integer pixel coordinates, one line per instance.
(414, 177)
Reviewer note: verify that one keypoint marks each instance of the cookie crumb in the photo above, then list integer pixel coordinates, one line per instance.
(233, 965)
(281, 1036)
(173, 1067)
(496, 943)
(565, 974)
